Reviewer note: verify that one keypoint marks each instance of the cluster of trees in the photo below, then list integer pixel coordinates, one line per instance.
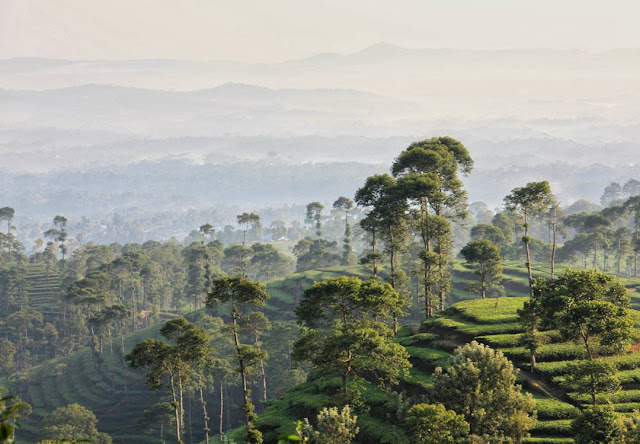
(405, 226)
(107, 291)
(475, 400)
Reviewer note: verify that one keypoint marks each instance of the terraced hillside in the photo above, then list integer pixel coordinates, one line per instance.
(490, 321)
(287, 292)
(118, 396)
(43, 289)
(115, 393)
(494, 322)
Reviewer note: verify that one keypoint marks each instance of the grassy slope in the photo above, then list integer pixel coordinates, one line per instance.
(43, 289)
(429, 349)
(103, 391)
(491, 321)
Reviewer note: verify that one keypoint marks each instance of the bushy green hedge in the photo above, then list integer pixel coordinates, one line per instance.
(543, 440)
(558, 427)
(622, 396)
(548, 352)
(627, 362)
(553, 409)
(490, 311)
(513, 340)
(471, 329)
(420, 338)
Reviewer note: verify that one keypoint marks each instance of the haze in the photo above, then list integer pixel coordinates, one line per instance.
(135, 89)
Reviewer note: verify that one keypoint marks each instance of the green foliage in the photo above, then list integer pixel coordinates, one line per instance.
(10, 411)
(597, 425)
(434, 424)
(589, 306)
(483, 258)
(73, 423)
(347, 299)
(333, 427)
(480, 385)
(595, 377)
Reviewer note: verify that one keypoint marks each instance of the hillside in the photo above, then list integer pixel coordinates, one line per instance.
(43, 288)
(119, 396)
(115, 393)
(490, 321)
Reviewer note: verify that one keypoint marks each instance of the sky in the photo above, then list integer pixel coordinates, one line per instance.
(276, 30)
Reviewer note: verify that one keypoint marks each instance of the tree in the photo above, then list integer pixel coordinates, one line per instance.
(554, 218)
(7, 354)
(480, 385)
(241, 294)
(172, 363)
(596, 225)
(361, 351)
(621, 240)
(631, 188)
(256, 324)
(387, 217)
(434, 424)
(597, 425)
(159, 415)
(595, 377)
(10, 411)
(483, 258)
(343, 334)
(504, 221)
(73, 422)
(589, 306)
(207, 231)
(632, 206)
(530, 201)
(427, 172)
(333, 427)
(314, 216)
(611, 193)
(489, 232)
(248, 220)
(268, 263)
(346, 300)
(345, 204)
(316, 253)
(283, 375)
(6, 215)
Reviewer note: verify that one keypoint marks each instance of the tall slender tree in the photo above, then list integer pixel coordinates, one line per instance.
(314, 216)
(346, 205)
(427, 171)
(247, 220)
(6, 214)
(241, 295)
(530, 201)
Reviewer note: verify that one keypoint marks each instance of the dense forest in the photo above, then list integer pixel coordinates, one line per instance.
(399, 314)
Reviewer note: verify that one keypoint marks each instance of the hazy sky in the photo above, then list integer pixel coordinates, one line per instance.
(271, 30)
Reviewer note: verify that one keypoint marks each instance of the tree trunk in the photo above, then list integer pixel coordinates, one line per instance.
(373, 251)
(534, 327)
(176, 407)
(181, 401)
(243, 373)
(221, 425)
(554, 245)
(263, 375)
(205, 414)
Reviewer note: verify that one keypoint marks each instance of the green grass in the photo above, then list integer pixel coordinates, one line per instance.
(490, 311)
(549, 409)
(100, 390)
(43, 289)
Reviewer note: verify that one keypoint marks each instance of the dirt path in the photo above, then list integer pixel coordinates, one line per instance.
(455, 340)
